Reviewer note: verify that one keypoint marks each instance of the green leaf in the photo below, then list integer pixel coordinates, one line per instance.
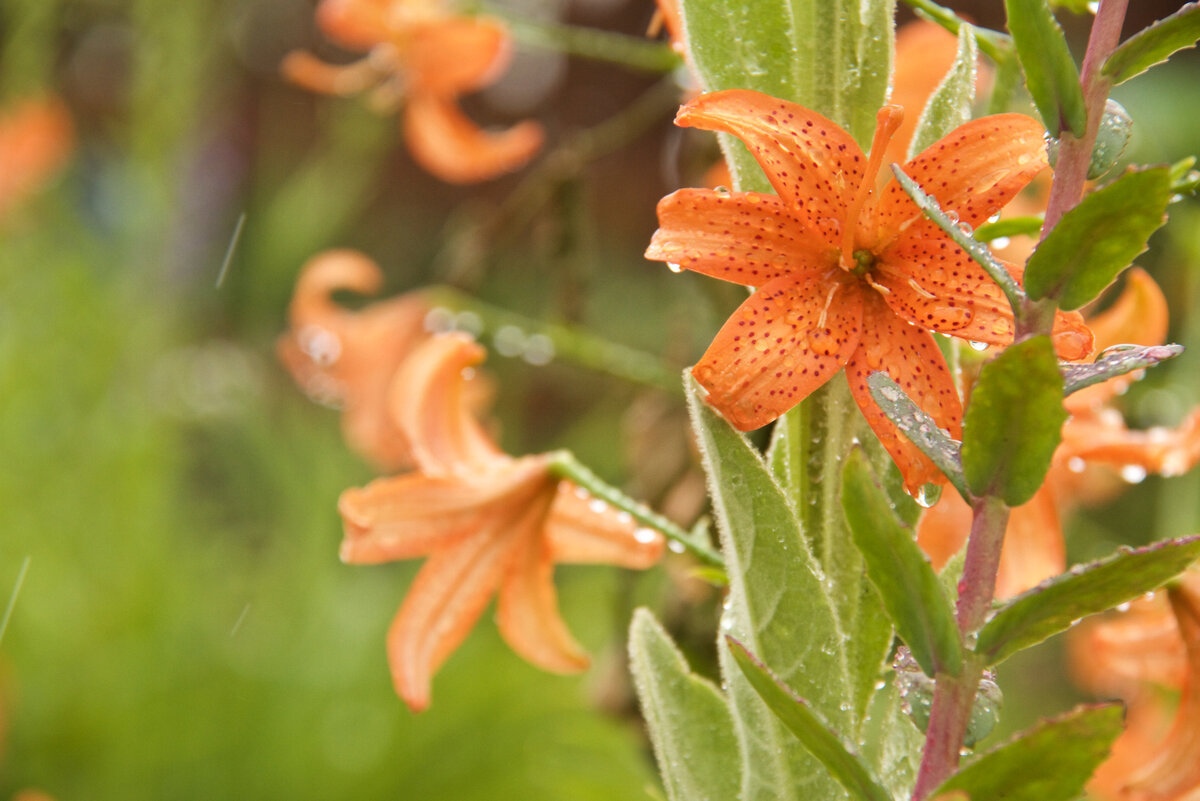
(832, 56)
(1154, 44)
(1054, 605)
(1115, 361)
(1010, 226)
(809, 727)
(919, 427)
(687, 717)
(900, 571)
(781, 605)
(1098, 238)
(1050, 72)
(950, 104)
(1012, 424)
(1053, 760)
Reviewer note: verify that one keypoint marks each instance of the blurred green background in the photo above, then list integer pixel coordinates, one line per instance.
(183, 628)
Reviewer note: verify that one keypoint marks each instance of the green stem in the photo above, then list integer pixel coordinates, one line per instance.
(568, 342)
(954, 697)
(614, 48)
(996, 45)
(565, 465)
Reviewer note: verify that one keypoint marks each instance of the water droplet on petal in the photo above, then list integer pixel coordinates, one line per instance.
(1076, 464)
(1133, 473)
(645, 535)
(979, 346)
(673, 267)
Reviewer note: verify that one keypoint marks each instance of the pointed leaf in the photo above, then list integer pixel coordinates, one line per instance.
(1009, 226)
(1050, 72)
(916, 424)
(950, 104)
(901, 572)
(809, 727)
(781, 605)
(1013, 422)
(1052, 760)
(687, 717)
(1115, 361)
(1154, 44)
(1097, 239)
(1055, 605)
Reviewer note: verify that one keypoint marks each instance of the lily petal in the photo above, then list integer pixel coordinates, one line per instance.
(402, 517)
(456, 55)
(911, 357)
(445, 600)
(814, 165)
(527, 610)
(582, 529)
(780, 345)
(746, 238)
(450, 145)
(428, 402)
(972, 171)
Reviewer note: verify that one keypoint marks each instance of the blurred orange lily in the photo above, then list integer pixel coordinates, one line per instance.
(426, 56)
(1133, 655)
(349, 358)
(847, 275)
(489, 524)
(36, 136)
(1095, 445)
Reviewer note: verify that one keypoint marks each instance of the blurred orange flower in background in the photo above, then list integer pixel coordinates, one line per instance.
(1096, 445)
(422, 55)
(489, 524)
(36, 137)
(348, 358)
(1140, 655)
(847, 275)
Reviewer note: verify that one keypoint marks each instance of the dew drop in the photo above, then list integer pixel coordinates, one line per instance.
(1123, 607)
(509, 341)
(439, 320)
(624, 518)
(675, 546)
(1133, 473)
(979, 346)
(645, 535)
(598, 506)
(1076, 464)
(1001, 242)
(470, 322)
(674, 267)
(539, 350)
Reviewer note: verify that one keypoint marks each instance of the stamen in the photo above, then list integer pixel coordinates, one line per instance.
(828, 302)
(309, 72)
(880, 288)
(920, 290)
(887, 121)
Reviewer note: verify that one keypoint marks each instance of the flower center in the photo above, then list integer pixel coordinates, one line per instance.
(886, 122)
(864, 260)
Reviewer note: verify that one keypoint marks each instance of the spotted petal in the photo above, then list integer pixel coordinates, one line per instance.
(782, 343)
(814, 165)
(746, 238)
(973, 172)
(451, 146)
(911, 357)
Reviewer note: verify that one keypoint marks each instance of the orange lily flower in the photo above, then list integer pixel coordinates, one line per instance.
(426, 56)
(489, 524)
(847, 275)
(1095, 445)
(36, 135)
(347, 358)
(666, 15)
(1155, 644)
